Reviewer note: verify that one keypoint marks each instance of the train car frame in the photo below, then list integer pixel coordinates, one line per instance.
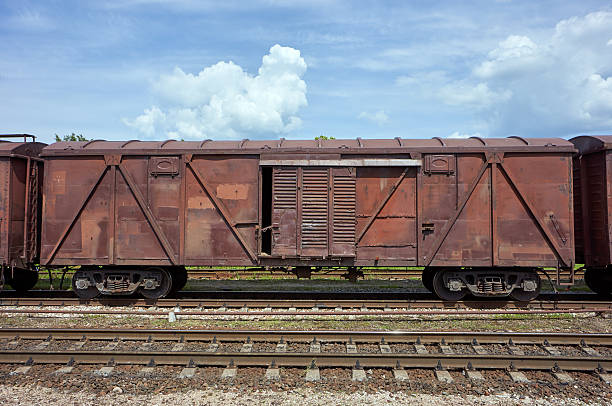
(480, 215)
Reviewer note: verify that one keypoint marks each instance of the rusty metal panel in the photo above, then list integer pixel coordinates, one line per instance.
(314, 211)
(284, 211)
(508, 210)
(593, 227)
(593, 199)
(343, 212)
(535, 213)
(4, 209)
(212, 221)
(392, 234)
(77, 192)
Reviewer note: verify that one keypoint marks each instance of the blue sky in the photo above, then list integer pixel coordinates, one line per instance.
(156, 69)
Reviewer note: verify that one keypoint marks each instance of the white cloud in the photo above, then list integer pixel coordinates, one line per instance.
(379, 117)
(555, 86)
(224, 101)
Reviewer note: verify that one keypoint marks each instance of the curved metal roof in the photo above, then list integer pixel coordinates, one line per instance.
(336, 145)
(588, 144)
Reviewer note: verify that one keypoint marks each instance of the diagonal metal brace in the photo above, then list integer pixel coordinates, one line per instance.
(222, 210)
(64, 234)
(451, 222)
(534, 213)
(381, 205)
(159, 233)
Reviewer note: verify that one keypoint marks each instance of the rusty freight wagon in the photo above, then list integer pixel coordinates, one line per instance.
(480, 215)
(20, 193)
(593, 209)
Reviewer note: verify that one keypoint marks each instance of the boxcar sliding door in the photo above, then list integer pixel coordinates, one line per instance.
(313, 212)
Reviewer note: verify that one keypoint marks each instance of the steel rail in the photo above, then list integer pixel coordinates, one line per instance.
(296, 313)
(287, 359)
(561, 304)
(305, 336)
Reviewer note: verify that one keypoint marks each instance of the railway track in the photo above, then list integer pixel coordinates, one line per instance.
(397, 350)
(298, 307)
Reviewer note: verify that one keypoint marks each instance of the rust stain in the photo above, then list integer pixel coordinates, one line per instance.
(199, 202)
(233, 191)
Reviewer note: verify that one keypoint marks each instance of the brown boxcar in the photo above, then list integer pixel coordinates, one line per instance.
(480, 215)
(20, 178)
(593, 209)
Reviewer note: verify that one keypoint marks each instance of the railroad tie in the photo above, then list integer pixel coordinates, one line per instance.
(43, 345)
(384, 347)
(351, 348)
(445, 348)
(312, 372)
(420, 348)
(24, 369)
(442, 374)
(603, 375)
(589, 350)
(247, 346)
(513, 349)
(478, 349)
(516, 376)
(149, 369)
(213, 346)
(359, 374)
(315, 346)
(229, 372)
(400, 373)
(561, 376)
(550, 349)
(472, 374)
(67, 369)
(281, 346)
(273, 372)
(189, 371)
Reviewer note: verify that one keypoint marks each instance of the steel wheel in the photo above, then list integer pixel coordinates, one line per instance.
(599, 281)
(427, 279)
(522, 296)
(440, 289)
(23, 280)
(85, 294)
(165, 284)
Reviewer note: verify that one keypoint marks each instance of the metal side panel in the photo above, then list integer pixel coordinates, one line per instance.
(4, 209)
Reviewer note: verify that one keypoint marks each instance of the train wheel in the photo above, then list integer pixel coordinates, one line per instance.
(427, 279)
(164, 281)
(523, 296)
(87, 293)
(444, 293)
(179, 279)
(599, 281)
(23, 280)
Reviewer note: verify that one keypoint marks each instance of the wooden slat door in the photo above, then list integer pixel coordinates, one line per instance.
(343, 207)
(314, 211)
(284, 211)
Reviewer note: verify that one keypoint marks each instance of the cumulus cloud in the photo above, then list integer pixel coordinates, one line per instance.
(224, 101)
(379, 117)
(557, 85)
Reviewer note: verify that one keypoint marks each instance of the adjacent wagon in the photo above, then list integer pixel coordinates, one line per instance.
(593, 209)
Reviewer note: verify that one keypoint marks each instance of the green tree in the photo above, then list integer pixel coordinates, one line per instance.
(324, 137)
(70, 137)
